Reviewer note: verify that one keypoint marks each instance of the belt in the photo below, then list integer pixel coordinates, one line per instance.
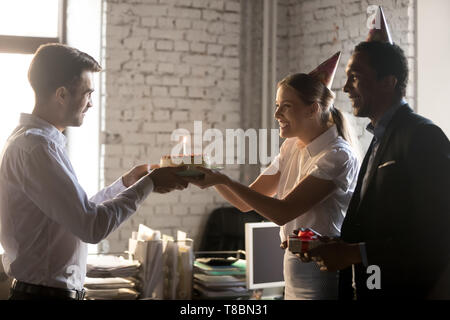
(51, 292)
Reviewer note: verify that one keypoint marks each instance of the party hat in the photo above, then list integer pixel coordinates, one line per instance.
(326, 70)
(380, 31)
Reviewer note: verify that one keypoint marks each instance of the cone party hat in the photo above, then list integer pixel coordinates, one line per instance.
(380, 31)
(326, 70)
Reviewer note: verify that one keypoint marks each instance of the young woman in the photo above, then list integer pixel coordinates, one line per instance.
(309, 184)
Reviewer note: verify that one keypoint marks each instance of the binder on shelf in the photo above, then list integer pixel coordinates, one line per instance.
(219, 281)
(220, 276)
(237, 268)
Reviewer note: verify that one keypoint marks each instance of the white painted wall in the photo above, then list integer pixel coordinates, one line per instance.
(433, 61)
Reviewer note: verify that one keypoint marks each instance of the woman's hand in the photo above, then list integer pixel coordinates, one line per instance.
(208, 179)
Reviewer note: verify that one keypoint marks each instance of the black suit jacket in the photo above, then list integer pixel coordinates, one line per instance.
(404, 215)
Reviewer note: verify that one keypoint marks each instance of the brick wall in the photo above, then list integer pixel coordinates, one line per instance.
(283, 34)
(167, 63)
(319, 28)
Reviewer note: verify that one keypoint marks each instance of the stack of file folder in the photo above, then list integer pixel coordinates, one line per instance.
(166, 264)
(215, 279)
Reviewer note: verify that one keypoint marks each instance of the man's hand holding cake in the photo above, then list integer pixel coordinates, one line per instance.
(166, 179)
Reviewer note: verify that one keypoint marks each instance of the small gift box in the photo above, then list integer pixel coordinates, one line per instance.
(304, 239)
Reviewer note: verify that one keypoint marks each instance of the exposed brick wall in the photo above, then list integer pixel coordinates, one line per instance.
(283, 33)
(319, 28)
(167, 63)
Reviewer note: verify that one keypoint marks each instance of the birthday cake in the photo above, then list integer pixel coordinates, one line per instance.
(182, 160)
(191, 162)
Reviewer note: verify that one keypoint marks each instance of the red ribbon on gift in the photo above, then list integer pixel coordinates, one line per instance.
(307, 235)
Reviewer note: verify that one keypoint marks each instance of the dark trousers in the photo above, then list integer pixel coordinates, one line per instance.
(25, 291)
(16, 295)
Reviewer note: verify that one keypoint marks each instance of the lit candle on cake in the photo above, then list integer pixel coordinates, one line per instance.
(184, 145)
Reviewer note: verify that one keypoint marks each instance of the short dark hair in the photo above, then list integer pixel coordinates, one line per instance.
(55, 65)
(387, 59)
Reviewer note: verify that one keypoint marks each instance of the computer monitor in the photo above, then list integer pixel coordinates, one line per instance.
(264, 256)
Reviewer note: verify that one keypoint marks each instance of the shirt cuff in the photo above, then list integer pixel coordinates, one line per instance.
(363, 252)
(143, 187)
(117, 186)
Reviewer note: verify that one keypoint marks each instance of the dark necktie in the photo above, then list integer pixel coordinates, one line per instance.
(363, 173)
(373, 151)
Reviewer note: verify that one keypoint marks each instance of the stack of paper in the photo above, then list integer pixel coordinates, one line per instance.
(236, 268)
(107, 266)
(110, 289)
(111, 294)
(109, 283)
(220, 281)
(111, 278)
(230, 293)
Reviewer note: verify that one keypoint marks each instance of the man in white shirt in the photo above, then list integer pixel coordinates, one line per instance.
(46, 218)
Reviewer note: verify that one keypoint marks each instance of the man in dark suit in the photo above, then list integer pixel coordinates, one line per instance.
(399, 215)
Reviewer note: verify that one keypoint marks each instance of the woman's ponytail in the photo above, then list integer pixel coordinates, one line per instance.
(340, 122)
(343, 127)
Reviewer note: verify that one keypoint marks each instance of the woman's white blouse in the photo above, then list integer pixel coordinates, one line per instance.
(327, 157)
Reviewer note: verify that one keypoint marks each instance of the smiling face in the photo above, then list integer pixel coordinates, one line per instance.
(79, 100)
(362, 86)
(292, 113)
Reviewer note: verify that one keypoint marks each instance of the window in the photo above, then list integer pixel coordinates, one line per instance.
(24, 26)
(29, 18)
(16, 94)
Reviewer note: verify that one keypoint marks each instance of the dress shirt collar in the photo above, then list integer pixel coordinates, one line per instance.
(380, 127)
(42, 127)
(319, 143)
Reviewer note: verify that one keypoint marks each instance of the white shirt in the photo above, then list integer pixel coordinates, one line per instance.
(46, 218)
(327, 157)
